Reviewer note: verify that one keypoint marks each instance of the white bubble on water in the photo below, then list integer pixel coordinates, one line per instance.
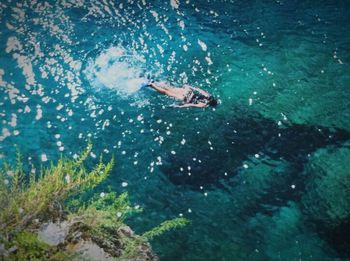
(202, 45)
(39, 112)
(13, 122)
(59, 107)
(140, 117)
(210, 62)
(43, 157)
(250, 101)
(27, 109)
(159, 160)
(174, 4)
(181, 24)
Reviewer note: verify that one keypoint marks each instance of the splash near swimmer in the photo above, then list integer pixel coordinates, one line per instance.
(116, 69)
(123, 72)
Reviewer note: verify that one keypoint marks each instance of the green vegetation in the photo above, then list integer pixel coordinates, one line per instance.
(54, 196)
(165, 226)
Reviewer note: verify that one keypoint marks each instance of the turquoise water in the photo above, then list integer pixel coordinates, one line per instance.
(263, 176)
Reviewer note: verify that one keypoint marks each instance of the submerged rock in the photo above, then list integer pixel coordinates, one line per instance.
(73, 237)
(326, 202)
(285, 237)
(328, 190)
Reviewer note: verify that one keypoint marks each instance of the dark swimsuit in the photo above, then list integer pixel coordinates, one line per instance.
(196, 97)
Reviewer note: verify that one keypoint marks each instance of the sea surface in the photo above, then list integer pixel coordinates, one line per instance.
(265, 175)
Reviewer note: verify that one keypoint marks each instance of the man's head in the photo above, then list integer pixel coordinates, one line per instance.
(212, 101)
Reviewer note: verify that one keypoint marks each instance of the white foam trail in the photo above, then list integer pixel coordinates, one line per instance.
(116, 69)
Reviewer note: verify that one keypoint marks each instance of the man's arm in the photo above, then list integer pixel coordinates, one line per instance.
(198, 105)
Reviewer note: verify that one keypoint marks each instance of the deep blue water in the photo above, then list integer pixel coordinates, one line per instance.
(263, 176)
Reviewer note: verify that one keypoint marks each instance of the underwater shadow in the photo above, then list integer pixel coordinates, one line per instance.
(248, 135)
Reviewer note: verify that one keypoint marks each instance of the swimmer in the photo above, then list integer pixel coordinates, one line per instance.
(190, 96)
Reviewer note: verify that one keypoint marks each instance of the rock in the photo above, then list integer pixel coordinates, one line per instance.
(2, 249)
(327, 200)
(90, 251)
(74, 237)
(126, 231)
(53, 234)
(144, 250)
(12, 249)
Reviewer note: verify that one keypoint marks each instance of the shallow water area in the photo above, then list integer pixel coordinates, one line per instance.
(261, 177)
